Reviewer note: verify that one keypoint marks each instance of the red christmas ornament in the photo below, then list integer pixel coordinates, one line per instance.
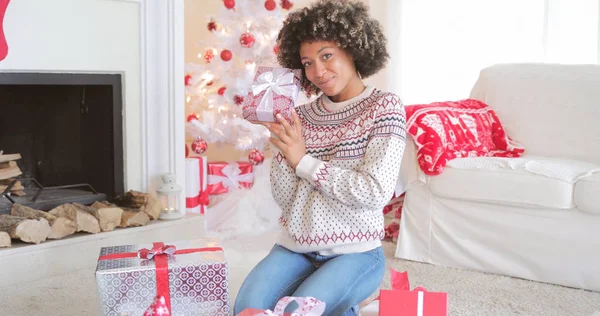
(226, 55)
(188, 80)
(211, 26)
(229, 4)
(187, 151)
(192, 117)
(256, 157)
(199, 146)
(221, 90)
(238, 99)
(247, 40)
(209, 55)
(286, 4)
(270, 5)
(276, 49)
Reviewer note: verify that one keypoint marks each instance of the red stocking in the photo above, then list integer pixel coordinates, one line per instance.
(3, 44)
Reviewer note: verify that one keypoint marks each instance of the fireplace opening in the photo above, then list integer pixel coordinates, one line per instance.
(67, 129)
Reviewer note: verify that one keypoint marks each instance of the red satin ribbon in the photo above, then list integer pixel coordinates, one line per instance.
(162, 266)
(201, 199)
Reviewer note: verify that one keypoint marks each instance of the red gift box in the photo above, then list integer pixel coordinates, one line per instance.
(196, 182)
(413, 303)
(274, 91)
(223, 176)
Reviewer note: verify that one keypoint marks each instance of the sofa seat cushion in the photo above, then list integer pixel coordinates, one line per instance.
(525, 181)
(587, 194)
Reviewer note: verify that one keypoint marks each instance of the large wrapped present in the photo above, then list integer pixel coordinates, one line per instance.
(188, 277)
(274, 91)
(223, 176)
(196, 182)
(307, 306)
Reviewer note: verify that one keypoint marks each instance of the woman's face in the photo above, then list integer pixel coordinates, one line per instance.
(327, 66)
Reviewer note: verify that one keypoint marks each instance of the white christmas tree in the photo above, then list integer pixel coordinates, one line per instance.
(242, 36)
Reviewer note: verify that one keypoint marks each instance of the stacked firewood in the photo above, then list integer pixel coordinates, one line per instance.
(35, 226)
(8, 170)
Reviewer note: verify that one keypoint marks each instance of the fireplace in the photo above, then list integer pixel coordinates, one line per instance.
(68, 129)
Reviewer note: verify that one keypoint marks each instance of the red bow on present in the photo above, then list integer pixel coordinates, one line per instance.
(158, 308)
(157, 249)
(399, 281)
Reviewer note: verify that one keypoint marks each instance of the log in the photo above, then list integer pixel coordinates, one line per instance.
(4, 240)
(9, 157)
(8, 164)
(60, 227)
(10, 172)
(27, 230)
(138, 200)
(85, 222)
(132, 199)
(108, 218)
(153, 207)
(133, 218)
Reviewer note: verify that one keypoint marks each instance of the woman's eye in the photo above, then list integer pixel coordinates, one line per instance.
(306, 64)
(326, 56)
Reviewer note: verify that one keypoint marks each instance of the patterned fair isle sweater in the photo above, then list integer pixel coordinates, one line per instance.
(332, 203)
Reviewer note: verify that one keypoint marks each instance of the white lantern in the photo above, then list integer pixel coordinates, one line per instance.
(169, 193)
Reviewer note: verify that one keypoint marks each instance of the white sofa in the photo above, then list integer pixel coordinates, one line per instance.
(536, 217)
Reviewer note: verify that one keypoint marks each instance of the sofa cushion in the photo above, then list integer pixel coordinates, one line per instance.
(587, 194)
(527, 181)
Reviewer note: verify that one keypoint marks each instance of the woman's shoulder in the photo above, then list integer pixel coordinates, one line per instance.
(385, 100)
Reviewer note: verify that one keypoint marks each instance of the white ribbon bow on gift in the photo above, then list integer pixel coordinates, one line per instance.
(278, 81)
(232, 177)
(307, 306)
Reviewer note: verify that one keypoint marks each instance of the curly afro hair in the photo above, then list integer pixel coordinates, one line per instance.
(345, 22)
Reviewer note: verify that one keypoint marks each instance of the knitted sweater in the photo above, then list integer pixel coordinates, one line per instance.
(332, 203)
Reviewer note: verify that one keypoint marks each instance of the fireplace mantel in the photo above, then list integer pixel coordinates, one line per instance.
(142, 40)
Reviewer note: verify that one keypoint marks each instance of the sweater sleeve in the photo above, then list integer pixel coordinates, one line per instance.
(372, 184)
(284, 181)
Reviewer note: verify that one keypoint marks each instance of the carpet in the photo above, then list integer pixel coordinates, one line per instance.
(469, 292)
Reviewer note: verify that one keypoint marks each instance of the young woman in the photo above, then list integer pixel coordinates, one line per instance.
(335, 167)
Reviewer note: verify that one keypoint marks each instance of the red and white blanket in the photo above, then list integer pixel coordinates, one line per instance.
(446, 130)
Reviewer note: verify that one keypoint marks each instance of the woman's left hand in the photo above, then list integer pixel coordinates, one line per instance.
(290, 142)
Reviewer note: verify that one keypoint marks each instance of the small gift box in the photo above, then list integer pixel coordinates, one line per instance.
(402, 301)
(274, 91)
(307, 306)
(196, 182)
(183, 278)
(223, 176)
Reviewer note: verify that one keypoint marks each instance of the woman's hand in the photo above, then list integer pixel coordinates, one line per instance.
(290, 141)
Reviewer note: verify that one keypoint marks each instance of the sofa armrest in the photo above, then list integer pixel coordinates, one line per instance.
(409, 168)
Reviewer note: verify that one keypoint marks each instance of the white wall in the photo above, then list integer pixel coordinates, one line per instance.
(84, 36)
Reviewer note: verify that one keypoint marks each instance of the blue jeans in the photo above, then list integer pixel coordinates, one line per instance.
(341, 281)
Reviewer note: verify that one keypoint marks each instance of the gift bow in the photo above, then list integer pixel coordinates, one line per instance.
(157, 249)
(279, 81)
(307, 306)
(232, 177)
